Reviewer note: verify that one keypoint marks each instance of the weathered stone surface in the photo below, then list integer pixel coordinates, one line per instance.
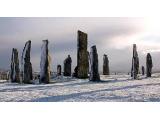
(15, 72)
(59, 70)
(26, 65)
(45, 63)
(94, 73)
(143, 70)
(135, 63)
(105, 65)
(82, 55)
(67, 66)
(149, 65)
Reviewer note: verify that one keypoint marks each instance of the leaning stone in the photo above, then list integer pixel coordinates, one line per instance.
(26, 65)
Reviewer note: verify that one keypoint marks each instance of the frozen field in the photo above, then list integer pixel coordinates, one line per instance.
(115, 88)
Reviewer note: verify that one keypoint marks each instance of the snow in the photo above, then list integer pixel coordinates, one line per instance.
(115, 88)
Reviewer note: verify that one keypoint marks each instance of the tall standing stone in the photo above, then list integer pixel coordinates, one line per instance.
(135, 63)
(15, 72)
(105, 65)
(26, 64)
(94, 73)
(67, 66)
(58, 70)
(45, 63)
(82, 55)
(143, 70)
(149, 65)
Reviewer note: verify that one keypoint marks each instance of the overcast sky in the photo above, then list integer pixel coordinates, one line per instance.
(112, 36)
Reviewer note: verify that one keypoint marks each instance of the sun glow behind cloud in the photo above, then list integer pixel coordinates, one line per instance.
(147, 39)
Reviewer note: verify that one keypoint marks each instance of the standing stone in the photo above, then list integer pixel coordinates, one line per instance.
(149, 65)
(45, 63)
(135, 63)
(15, 72)
(26, 64)
(67, 66)
(75, 72)
(94, 73)
(58, 70)
(143, 70)
(105, 65)
(82, 55)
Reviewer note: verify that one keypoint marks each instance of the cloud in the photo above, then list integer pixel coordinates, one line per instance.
(113, 36)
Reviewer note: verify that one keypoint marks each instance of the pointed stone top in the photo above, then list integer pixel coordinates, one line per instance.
(94, 46)
(14, 49)
(148, 54)
(80, 32)
(45, 40)
(29, 41)
(134, 45)
(105, 55)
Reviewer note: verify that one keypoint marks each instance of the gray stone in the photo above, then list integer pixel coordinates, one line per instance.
(143, 70)
(26, 65)
(149, 65)
(94, 73)
(75, 72)
(67, 66)
(135, 63)
(45, 63)
(15, 72)
(59, 70)
(82, 55)
(105, 65)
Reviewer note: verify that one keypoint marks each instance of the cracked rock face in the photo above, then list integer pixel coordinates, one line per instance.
(67, 66)
(82, 55)
(149, 65)
(135, 63)
(45, 63)
(105, 65)
(26, 65)
(94, 73)
(15, 72)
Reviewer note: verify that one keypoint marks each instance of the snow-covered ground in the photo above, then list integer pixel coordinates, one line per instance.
(115, 88)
